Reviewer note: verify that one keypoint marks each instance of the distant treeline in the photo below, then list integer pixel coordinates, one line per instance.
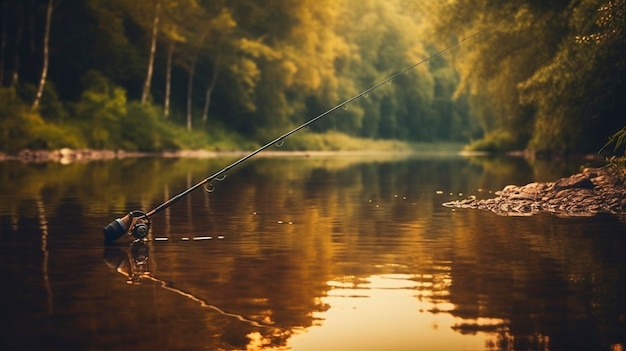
(168, 74)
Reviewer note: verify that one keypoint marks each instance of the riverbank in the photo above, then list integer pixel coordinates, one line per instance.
(67, 156)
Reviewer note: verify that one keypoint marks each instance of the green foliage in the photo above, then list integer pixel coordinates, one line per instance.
(217, 139)
(19, 126)
(618, 140)
(543, 76)
(115, 53)
(144, 129)
(100, 111)
(549, 75)
(585, 80)
(335, 141)
(54, 136)
(23, 128)
(327, 53)
(495, 142)
(272, 66)
(51, 107)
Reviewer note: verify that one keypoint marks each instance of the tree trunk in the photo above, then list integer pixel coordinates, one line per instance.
(190, 92)
(209, 90)
(168, 79)
(155, 31)
(44, 71)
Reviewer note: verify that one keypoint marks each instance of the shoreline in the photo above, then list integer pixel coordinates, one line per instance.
(67, 156)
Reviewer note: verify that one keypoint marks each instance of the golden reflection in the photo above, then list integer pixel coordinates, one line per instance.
(364, 309)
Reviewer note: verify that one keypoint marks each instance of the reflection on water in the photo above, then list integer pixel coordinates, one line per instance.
(388, 312)
(133, 263)
(303, 253)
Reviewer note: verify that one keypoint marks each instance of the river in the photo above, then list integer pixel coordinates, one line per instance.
(303, 252)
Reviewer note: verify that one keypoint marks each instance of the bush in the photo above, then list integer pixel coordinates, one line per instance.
(99, 111)
(143, 129)
(18, 123)
(52, 136)
(23, 128)
(51, 108)
(496, 142)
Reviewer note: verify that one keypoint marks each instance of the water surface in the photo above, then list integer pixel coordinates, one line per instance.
(303, 253)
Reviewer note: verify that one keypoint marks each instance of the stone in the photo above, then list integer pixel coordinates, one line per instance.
(580, 180)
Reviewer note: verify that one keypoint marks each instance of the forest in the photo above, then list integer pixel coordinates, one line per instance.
(546, 77)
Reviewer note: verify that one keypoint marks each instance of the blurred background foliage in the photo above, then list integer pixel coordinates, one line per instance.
(152, 75)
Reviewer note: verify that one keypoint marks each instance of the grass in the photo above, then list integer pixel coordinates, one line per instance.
(335, 141)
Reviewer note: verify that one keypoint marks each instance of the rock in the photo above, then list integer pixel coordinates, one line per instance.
(593, 191)
(576, 181)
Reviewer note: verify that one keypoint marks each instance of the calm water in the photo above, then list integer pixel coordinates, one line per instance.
(302, 253)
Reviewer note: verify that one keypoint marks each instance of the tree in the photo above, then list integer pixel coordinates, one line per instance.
(44, 71)
(211, 88)
(577, 94)
(119, 48)
(175, 30)
(168, 79)
(544, 76)
(142, 15)
(220, 28)
(192, 71)
(256, 68)
(153, 45)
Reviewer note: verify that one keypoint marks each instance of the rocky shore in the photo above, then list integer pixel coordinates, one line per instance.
(593, 191)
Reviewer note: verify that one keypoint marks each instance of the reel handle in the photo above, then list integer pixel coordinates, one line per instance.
(136, 223)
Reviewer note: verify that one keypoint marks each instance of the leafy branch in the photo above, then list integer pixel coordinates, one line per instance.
(619, 139)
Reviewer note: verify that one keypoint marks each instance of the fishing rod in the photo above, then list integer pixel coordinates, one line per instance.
(137, 223)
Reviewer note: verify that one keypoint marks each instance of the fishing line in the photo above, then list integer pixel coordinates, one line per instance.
(137, 223)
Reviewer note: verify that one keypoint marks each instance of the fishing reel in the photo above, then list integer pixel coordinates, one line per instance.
(136, 223)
